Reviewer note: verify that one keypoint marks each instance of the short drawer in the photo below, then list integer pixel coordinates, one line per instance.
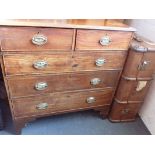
(60, 102)
(102, 40)
(36, 39)
(99, 61)
(34, 85)
(62, 62)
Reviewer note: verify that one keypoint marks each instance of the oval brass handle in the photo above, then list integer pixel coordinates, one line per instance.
(100, 61)
(104, 41)
(95, 81)
(91, 99)
(39, 39)
(42, 106)
(41, 86)
(40, 64)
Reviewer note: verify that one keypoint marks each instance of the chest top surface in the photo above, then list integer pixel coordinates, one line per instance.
(101, 24)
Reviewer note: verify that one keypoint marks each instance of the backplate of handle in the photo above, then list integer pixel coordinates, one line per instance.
(100, 62)
(42, 106)
(105, 40)
(41, 86)
(39, 39)
(91, 100)
(40, 64)
(125, 111)
(95, 81)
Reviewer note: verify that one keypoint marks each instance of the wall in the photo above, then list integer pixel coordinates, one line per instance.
(146, 28)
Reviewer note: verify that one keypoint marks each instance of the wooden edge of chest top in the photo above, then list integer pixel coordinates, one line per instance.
(101, 24)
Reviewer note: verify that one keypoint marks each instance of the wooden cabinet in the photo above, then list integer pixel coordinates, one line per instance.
(61, 66)
(37, 63)
(135, 81)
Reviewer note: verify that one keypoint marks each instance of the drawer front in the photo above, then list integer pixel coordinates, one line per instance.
(99, 61)
(132, 90)
(56, 63)
(34, 39)
(25, 86)
(102, 40)
(60, 102)
(124, 112)
(36, 64)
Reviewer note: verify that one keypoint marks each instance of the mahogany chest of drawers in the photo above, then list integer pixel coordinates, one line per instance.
(61, 66)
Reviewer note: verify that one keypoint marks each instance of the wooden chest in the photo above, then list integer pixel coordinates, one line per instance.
(135, 80)
(61, 66)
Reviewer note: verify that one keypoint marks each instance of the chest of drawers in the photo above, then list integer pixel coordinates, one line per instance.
(61, 66)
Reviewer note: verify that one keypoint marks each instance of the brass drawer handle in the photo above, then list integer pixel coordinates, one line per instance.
(125, 111)
(41, 86)
(91, 100)
(104, 41)
(39, 39)
(143, 65)
(100, 62)
(40, 64)
(95, 81)
(42, 106)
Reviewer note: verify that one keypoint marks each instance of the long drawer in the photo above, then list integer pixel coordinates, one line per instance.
(62, 62)
(58, 102)
(34, 85)
(102, 40)
(36, 39)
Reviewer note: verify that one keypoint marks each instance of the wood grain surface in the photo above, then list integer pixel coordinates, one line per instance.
(89, 40)
(20, 39)
(25, 86)
(62, 62)
(60, 102)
